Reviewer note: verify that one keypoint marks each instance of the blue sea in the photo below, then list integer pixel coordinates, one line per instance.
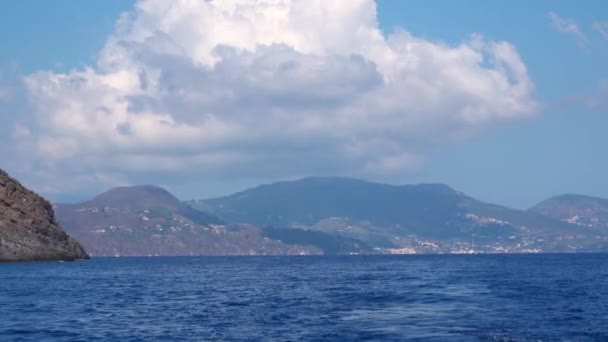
(347, 298)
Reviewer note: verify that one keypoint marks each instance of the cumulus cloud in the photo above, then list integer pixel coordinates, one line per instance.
(271, 88)
(569, 27)
(602, 28)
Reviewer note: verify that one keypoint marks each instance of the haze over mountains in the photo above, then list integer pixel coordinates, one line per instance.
(327, 215)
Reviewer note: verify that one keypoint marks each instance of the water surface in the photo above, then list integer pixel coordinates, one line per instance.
(411, 298)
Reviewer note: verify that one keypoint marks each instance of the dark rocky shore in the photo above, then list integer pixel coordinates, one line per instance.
(28, 229)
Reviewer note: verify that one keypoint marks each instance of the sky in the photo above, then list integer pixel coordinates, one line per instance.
(505, 101)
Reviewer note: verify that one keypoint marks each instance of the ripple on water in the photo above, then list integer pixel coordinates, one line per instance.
(435, 298)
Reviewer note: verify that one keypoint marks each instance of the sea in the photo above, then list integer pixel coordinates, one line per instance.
(560, 297)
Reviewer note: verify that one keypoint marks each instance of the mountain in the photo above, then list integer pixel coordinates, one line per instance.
(148, 220)
(28, 230)
(406, 218)
(149, 197)
(584, 211)
(327, 243)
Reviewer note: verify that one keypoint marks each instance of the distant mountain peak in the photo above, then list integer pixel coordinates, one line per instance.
(320, 180)
(329, 179)
(348, 181)
(131, 220)
(569, 200)
(138, 195)
(438, 188)
(581, 210)
(149, 189)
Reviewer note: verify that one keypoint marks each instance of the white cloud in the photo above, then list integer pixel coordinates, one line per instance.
(569, 27)
(272, 88)
(602, 28)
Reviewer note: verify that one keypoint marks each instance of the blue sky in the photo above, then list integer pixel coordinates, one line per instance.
(560, 152)
(559, 149)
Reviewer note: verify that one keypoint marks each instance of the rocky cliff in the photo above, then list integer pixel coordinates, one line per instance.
(28, 230)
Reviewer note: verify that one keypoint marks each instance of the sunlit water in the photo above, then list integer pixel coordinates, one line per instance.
(425, 298)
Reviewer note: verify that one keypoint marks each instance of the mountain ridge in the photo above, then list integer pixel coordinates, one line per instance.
(387, 215)
(314, 215)
(149, 220)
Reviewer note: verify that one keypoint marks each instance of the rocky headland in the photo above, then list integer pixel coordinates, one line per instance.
(28, 229)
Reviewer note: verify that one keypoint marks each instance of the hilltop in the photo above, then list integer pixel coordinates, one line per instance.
(581, 210)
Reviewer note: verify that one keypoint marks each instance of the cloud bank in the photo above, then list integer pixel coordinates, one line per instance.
(267, 88)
